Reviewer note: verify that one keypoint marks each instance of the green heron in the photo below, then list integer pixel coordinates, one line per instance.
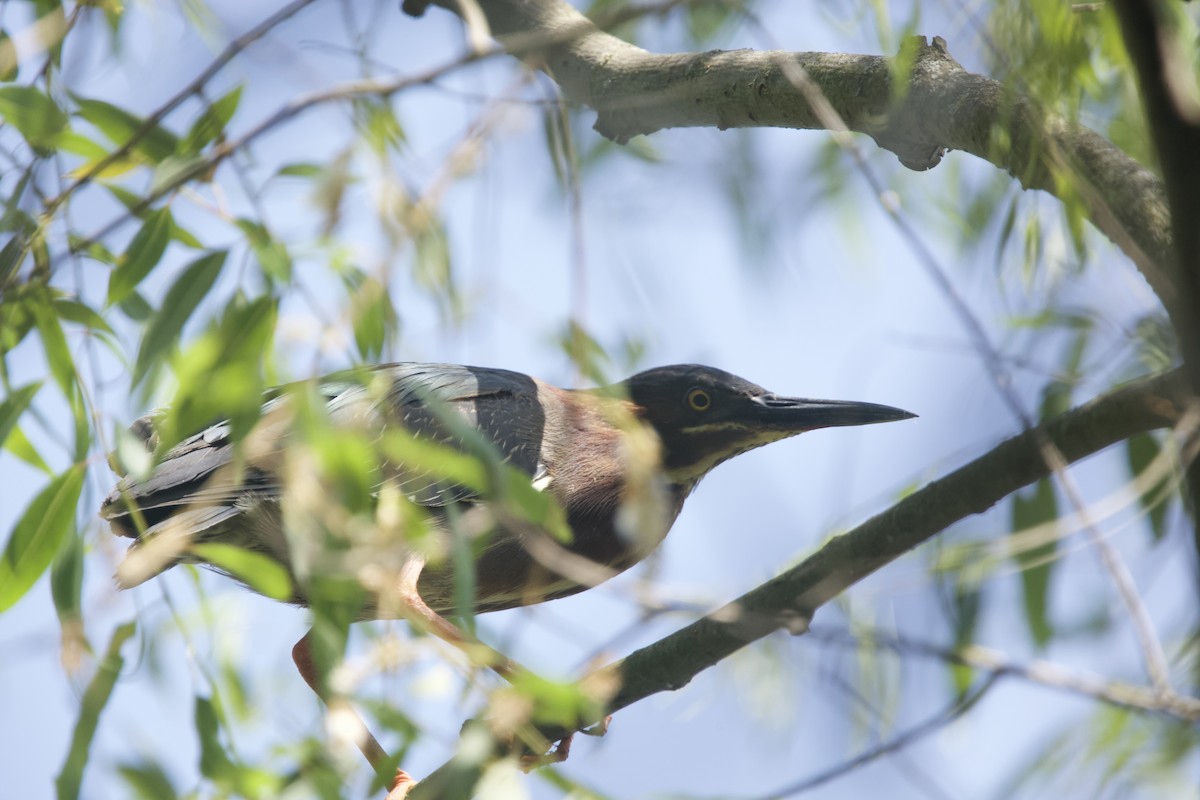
(619, 489)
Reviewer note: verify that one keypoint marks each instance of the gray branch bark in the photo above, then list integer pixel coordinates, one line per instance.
(942, 107)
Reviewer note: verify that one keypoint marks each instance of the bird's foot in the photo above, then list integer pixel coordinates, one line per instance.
(402, 784)
(599, 729)
(529, 762)
(562, 749)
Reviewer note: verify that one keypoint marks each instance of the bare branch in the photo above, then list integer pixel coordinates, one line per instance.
(935, 723)
(1043, 673)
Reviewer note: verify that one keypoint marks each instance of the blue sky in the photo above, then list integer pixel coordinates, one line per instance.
(833, 305)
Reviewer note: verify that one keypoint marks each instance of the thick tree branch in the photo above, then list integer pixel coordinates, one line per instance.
(1173, 114)
(789, 600)
(943, 106)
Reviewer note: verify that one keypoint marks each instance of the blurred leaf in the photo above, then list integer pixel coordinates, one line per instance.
(163, 330)
(148, 781)
(39, 533)
(301, 170)
(554, 702)
(11, 256)
(586, 353)
(174, 171)
(14, 406)
(1140, 452)
(74, 311)
(272, 255)
(211, 124)
(261, 573)
(143, 254)
(434, 268)
(438, 462)
(20, 446)
(378, 124)
(374, 318)
(1036, 563)
(220, 374)
(34, 114)
(77, 144)
(95, 698)
(120, 126)
(8, 59)
(66, 580)
(136, 307)
(214, 761)
(54, 343)
(705, 20)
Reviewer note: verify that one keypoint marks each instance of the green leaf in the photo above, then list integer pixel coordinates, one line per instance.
(11, 256)
(14, 406)
(143, 254)
(54, 343)
(374, 319)
(1140, 451)
(22, 448)
(148, 781)
(95, 698)
(301, 170)
(120, 126)
(66, 580)
(38, 535)
(1036, 563)
(272, 255)
(261, 573)
(174, 171)
(8, 59)
(214, 761)
(32, 113)
(211, 123)
(136, 307)
(220, 374)
(74, 311)
(162, 332)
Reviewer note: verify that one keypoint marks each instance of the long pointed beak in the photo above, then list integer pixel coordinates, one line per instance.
(800, 414)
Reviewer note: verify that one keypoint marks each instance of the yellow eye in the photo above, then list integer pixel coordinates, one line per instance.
(699, 400)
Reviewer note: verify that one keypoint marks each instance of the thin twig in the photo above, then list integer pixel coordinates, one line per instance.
(236, 46)
(931, 725)
(1042, 673)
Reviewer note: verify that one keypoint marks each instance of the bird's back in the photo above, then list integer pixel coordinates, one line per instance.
(209, 488)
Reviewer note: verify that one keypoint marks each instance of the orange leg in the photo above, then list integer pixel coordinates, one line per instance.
(366, 741)
(418, 613)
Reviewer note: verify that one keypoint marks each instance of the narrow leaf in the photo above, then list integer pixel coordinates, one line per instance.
(214, 762)
(272, 255)
(95, 698)
(259, 572)
(74, 311)
(1140, 451)
(1037, 563)
(14, 406)
(32, 113)
(145, 251)
(162, 332)
(211, 123)
(20, 446)
(148, 781)
(301, 170)
(38, 535)
(120, 126)
(66, 581)
(54, 343)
